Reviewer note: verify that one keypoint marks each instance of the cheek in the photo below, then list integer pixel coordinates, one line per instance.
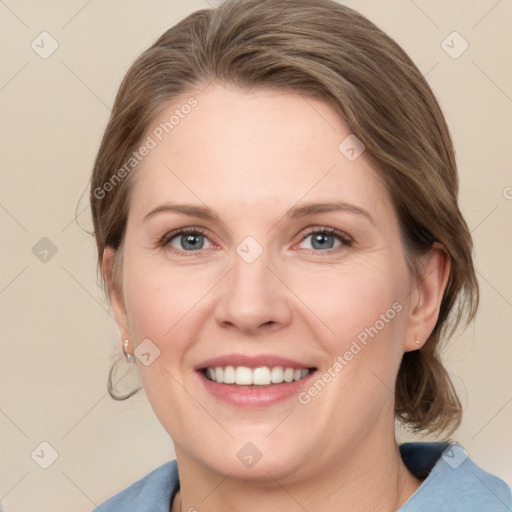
(357, 302)
(366, 310)
(161, 304)
(158, 297)
(363, 307)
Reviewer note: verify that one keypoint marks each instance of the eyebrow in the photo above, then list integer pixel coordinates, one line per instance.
(303, 210)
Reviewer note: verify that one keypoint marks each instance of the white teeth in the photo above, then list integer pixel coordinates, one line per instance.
(289, 374)
(243, 376)
(276, 375)
(261, 376)
(229, 375)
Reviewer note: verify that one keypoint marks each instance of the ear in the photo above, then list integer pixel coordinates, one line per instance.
(427, 296)
(116, 297)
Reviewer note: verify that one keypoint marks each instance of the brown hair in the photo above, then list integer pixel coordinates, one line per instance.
(324, 50)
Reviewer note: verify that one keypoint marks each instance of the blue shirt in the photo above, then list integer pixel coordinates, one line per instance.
(452, 483)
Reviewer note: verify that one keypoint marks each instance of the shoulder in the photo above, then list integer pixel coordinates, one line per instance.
(453, 482)
(152, 493)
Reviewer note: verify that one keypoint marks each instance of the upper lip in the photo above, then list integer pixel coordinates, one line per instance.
(255, 361)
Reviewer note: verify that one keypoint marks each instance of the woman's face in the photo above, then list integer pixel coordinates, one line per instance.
(254, 283)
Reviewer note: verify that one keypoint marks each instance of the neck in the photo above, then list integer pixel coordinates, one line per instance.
(372, 478)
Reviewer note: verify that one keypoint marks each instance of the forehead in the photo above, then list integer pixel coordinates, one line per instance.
(253, 149)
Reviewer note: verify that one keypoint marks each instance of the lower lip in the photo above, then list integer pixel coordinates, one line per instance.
(254, 396)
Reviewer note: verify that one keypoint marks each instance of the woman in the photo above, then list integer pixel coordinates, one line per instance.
(275, 209)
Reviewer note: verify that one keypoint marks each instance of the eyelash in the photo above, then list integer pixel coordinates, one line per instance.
(344, 238)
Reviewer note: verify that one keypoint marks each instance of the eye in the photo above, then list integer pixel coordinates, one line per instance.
(324, 239)
(192, 240)
(185, 240)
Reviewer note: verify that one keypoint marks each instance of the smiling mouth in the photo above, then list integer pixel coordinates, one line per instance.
(261, 376)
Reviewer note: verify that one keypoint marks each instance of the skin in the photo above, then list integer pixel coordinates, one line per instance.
(250, 156)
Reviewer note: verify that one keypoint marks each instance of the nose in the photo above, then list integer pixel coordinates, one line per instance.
(253, 297)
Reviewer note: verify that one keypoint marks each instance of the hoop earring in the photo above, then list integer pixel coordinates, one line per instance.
(129, 357)
(111, 384)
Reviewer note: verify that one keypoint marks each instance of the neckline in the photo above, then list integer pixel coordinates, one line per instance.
(418, 457)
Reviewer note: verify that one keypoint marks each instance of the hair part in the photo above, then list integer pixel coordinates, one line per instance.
(323, 50)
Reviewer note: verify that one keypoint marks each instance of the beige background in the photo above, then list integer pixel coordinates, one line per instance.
(58, 338)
